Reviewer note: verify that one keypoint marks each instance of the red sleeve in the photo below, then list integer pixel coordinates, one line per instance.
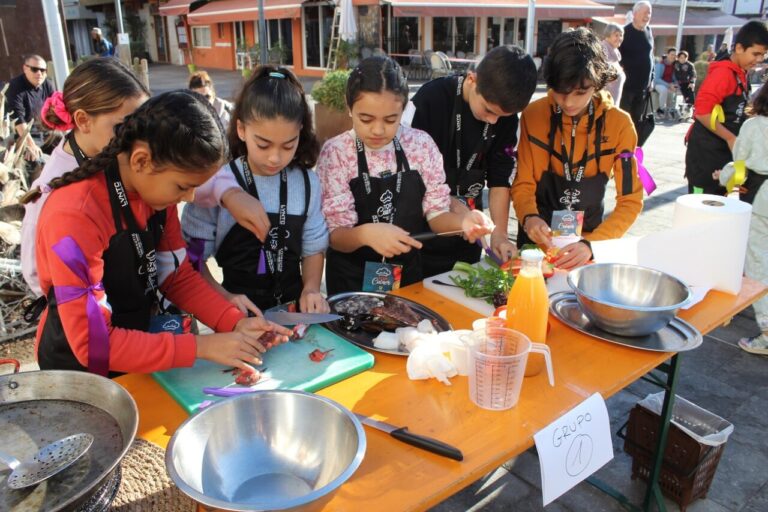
(719, 84)
(130, 350)
(185, 287)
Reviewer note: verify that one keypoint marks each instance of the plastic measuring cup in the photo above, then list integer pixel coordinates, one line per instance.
(497, 366)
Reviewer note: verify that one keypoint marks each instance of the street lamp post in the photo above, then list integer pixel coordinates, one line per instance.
(262, 34)
(530, 27)
(680, 21)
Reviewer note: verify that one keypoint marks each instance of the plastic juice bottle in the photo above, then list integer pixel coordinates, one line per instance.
(528, 306)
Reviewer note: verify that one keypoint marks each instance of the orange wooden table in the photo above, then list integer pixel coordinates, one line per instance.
(395, 476)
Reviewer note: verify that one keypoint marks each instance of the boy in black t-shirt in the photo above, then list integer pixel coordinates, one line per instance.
(473, 120)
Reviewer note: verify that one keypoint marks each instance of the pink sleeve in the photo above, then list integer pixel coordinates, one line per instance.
(28, 229)
(437, 198)
(333, 169)
(208, 195)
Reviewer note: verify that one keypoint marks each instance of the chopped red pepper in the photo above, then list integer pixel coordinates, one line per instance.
(299, 331)
(246, 377)
(318, 355)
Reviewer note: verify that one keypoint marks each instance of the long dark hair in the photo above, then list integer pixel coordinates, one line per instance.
(377, 74)
(270, 93)
(180, 128)
(759, 106)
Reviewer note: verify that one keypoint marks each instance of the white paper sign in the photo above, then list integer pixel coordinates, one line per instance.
(573, 447)
(122, 38)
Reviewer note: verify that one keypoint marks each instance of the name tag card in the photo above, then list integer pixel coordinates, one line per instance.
(573, 447)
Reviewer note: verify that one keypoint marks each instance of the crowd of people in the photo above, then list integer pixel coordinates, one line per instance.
(111, 259)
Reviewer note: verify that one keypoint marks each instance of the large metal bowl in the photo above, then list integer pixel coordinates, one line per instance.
(268, 450)
(627, 300)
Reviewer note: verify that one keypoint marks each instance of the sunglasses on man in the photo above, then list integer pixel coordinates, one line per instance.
(35, 69)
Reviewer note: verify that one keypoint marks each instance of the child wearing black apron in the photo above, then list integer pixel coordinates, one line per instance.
(380, 182)
(110, 240)
(720, 110)
(749, 173)
(274, 152)
(473, 120)
(571, 142)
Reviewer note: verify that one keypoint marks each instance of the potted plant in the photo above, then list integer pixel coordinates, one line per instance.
(331, 117)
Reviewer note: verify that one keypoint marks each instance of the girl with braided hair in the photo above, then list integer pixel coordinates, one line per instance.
(109, 240)
(97, 95)
(274, 148)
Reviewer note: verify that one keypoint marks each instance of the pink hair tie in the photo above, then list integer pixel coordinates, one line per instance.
(56, 102)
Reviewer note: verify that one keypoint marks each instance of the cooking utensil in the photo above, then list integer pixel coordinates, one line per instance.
(487, 249)
(268, 450)
(677, 336)
(363, 338)
(50, 460)
(419, 441)
(627, 300)
(287, 318)
(40, 407)
(430, 235)
(441, 283)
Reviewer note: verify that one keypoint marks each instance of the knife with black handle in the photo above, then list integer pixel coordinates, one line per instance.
(429, 235)
(419, 441)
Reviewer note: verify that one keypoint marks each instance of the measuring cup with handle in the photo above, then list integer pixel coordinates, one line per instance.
(497, 366)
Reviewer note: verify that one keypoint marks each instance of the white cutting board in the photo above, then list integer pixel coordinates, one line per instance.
(555, 284)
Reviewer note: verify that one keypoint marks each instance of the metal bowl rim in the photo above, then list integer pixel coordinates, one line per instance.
(296, 502)
(649, 309)
(133, 427)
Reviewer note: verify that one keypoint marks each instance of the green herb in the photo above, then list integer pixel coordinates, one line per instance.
(483, 282)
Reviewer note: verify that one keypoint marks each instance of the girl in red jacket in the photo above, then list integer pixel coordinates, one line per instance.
(109, 245)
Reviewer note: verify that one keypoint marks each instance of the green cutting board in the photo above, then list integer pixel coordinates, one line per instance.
(286, 366)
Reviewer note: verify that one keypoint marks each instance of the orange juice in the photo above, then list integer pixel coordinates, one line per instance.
(528, 306)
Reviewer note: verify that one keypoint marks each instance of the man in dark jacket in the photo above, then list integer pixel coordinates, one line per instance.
(637, 60)
(26, 95)
(685, 76)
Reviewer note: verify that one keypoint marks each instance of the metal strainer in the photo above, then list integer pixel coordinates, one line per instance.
(47, 462)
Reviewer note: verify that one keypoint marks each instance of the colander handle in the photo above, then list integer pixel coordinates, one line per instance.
(14, 362)
(541, 348)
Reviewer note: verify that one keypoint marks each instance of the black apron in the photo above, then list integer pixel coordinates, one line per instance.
(130, 279)
(239, 253)
(466, 180)
(573, 190)
(394, 198)
(752, 186)
(706, 151)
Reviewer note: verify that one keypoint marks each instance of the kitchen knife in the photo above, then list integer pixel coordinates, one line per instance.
(286, 318)
(429, 235)
(423, 442)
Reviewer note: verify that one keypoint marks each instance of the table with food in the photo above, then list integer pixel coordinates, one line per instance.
(392, 401)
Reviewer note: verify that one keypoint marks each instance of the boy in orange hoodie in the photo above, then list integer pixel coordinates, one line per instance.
(726, 90)
(571, 142)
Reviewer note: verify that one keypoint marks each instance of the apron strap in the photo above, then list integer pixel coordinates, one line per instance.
(307, 191)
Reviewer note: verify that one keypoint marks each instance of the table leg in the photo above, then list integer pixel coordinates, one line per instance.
(654, 490)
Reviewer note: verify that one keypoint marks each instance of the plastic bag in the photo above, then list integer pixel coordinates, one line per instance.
(702, 425)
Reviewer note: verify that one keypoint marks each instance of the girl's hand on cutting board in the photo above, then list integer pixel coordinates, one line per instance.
(230, 349)
(256, 327)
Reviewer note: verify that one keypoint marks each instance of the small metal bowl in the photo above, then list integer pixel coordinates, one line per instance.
(627, 300)
(267, 450)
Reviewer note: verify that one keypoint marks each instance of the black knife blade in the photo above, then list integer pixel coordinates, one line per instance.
(419, 441)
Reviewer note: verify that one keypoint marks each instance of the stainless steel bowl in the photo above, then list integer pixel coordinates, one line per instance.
(628, 300)
(268, 450)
